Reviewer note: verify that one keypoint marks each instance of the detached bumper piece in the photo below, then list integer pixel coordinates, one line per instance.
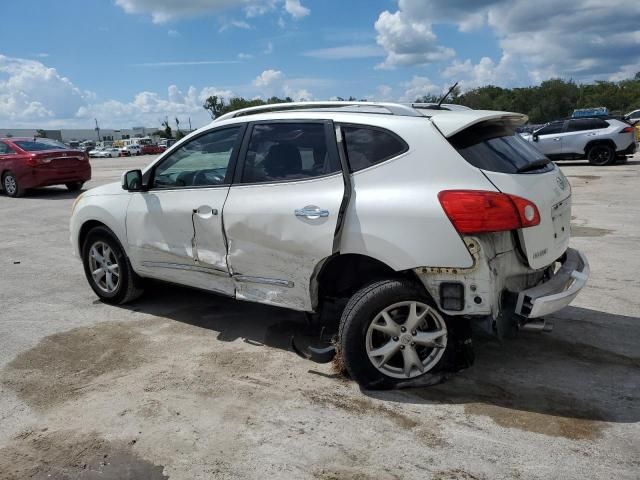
(557, 292)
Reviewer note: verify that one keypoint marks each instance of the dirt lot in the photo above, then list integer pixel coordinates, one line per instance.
(185, 385)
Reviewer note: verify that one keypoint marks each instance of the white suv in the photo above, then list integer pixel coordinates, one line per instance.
(599, 140)
(423, 219)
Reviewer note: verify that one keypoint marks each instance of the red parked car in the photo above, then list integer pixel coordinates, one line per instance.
(152, 149)
(40, 162)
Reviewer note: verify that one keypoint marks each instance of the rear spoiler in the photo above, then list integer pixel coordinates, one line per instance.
(450, 123)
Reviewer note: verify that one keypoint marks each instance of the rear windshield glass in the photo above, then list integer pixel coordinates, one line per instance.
(38, 146)
(496, 147)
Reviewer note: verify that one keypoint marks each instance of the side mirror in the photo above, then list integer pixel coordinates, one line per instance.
(132, 181)
(535, 137)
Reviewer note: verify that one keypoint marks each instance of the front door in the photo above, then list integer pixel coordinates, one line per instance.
(550, 139)
(174, 230)
(282, 211)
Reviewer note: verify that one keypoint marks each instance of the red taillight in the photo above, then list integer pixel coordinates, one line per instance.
(477, 211)
(33, 160)
(627, 130)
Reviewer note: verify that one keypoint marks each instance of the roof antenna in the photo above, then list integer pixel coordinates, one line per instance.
(446, 95)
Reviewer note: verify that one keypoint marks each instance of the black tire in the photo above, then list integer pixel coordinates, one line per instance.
(360, 312)
(129, 286)
(11, 186)
(74, 186)
(601, 154)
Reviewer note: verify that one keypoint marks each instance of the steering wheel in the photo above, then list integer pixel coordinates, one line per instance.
(204, 177)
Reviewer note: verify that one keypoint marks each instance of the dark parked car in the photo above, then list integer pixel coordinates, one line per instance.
(40, 162)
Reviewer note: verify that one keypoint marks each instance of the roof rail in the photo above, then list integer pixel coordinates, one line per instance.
(389, 108)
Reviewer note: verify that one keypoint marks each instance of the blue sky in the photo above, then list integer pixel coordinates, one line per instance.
(132, 62)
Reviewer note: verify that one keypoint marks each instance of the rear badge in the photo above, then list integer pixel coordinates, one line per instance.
(541, 253)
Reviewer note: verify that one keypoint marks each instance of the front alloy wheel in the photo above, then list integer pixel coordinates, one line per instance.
(601, 155)
(104, 267)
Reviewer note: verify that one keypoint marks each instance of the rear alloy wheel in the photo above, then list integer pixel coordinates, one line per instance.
(391, 333)
(74, 186)
(601, 155)
(107, 268)
(11, 186)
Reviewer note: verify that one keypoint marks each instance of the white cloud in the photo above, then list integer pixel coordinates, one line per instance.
(30, 91)
(227, 24)
(274, 82)
(345, 52)
(485, 72)
(408, 41)
(33, 95)
(295, 9)
(185, 63)
(541, 39)
(244, 56)
(269, 49)
(173, 33)
(268, 78)
(417, 87)
(162, 11)
(42, 55)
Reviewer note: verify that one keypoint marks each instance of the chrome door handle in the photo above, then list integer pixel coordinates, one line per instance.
(311, 212)
(556, 139)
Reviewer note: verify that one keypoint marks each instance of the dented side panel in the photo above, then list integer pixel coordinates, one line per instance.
(168, 240)
(273, 252)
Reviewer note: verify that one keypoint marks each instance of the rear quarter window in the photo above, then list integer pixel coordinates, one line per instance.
(367, 146)
(494, 146)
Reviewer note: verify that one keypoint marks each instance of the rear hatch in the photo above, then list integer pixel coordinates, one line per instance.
(514, 166)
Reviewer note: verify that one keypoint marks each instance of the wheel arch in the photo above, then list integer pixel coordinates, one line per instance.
(341, 275)
(600, 141)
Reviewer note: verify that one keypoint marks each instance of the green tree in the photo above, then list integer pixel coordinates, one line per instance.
(41, 133)
(167, 129)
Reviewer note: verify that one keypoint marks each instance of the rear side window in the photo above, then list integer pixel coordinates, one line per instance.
(368, 146)
(494, 146)
(586, 124)
(288, 151)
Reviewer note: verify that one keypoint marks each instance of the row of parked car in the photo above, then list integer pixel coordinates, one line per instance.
(126, 151)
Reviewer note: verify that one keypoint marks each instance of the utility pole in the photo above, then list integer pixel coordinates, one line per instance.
(190, 130)
(97, 128)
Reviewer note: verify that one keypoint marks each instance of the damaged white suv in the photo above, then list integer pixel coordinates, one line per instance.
(424, 218)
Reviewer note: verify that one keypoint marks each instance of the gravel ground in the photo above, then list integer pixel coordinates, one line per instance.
(186, 385)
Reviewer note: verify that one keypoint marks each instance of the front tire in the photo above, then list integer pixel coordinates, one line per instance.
(601, 155)
(391, 333)
(108, 269)
(74, 186)
(11, 186)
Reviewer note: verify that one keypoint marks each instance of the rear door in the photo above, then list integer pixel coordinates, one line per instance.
(515, 167)
(282, 211)
(579, 132)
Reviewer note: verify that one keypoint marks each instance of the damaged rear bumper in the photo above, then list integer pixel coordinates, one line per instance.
(559, 291)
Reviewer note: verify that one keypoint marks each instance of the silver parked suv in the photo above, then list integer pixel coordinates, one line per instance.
(599, 140)
(420, 219)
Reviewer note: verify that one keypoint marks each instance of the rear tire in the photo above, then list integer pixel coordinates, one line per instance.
(74, 186)
(394, 324)
(108, 269)
(601, 155)
(11, 186)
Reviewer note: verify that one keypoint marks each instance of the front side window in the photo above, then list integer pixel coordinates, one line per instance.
(287, 151)
(368, 146)
(586, 124)
(551, 129)
(201, 162)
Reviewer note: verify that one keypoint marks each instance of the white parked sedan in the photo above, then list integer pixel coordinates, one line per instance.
(109, 152)
(422, 219)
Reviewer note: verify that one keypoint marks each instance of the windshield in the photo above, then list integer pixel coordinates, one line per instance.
(40, 145)
(495, 146)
